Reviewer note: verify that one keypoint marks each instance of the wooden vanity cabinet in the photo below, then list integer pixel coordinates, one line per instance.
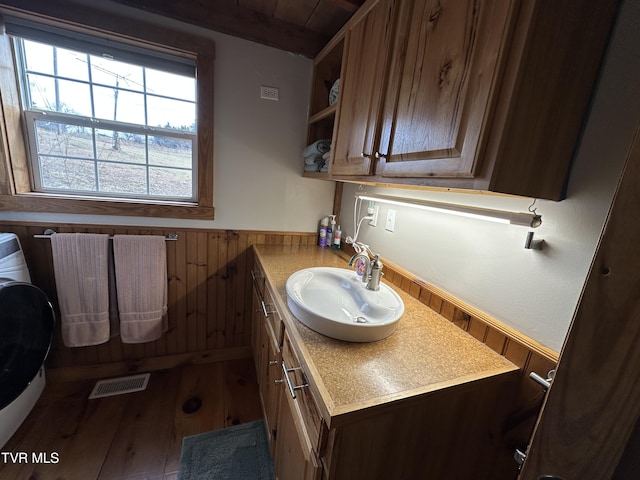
(266, 330)
(293, 424)
(444, 429)
(468, 95)
(299, 423)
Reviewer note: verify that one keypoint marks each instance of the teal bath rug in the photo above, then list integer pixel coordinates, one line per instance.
(235, 453)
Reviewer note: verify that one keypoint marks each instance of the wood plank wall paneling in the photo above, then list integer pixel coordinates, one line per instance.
(209, 292)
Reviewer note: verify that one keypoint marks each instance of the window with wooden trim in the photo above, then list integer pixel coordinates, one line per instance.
(109, 121)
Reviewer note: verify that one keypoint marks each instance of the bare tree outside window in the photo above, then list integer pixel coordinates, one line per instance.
(99, 126)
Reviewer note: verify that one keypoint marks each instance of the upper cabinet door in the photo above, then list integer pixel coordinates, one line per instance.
(361, 89)
(444, 74)
(484, 95)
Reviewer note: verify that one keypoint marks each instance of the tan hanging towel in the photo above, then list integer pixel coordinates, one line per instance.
(80, 265)
(141, 283)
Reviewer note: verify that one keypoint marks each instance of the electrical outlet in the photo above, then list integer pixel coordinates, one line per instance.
(269, 93)
(374, 221)
(391, 220)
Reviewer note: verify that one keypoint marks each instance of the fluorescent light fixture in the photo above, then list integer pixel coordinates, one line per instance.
(528, 219)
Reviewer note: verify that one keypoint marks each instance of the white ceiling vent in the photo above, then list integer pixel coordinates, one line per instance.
(120, 385)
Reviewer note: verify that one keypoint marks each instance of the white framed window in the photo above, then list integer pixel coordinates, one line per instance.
(106, 119)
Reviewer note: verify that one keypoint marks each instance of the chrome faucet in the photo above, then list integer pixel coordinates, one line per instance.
(372, 272)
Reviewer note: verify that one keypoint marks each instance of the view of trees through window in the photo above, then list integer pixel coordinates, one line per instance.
(102, 126)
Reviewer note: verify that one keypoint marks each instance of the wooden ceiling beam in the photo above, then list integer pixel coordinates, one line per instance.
(349, 5)
(297, 12)
(330, 14)
(232, 19)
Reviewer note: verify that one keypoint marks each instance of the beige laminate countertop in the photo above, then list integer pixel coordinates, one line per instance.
(425, 354)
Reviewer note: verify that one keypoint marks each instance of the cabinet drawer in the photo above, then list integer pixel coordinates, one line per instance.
(267, 306)
(296, 381)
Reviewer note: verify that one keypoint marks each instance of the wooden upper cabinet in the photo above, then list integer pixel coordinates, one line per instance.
(444, 73)
(485, 95)
(322, 112)
(363, 81)
(417, 86)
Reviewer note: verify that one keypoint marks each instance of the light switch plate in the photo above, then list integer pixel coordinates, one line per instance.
(391, 220)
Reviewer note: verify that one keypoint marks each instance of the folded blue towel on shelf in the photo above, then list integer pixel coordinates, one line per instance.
(318, 147)
(313, 159)
(316, 167)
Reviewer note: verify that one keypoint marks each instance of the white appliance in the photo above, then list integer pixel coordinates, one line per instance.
(26, 329)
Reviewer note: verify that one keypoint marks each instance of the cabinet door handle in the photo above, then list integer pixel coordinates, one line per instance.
(255, 276)
(256, 287)
(365, 155)
(292, 388)
(380, 155)
(546, 383)
(264, 309)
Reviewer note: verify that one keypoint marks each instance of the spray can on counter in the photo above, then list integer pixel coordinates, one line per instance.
(337, 237)
(331, 230)
(324, 226)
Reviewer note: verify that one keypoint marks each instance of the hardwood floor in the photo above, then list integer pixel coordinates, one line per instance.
(135, 436)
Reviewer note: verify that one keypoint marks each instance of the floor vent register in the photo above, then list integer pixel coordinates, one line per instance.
(120, 385)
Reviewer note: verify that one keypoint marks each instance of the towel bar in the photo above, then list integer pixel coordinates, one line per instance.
(49, 231)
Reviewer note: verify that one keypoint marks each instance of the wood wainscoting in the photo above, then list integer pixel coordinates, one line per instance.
(209, 274)
(209, 299)
(526, 353)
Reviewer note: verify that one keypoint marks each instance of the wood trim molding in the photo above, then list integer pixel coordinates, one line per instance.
(459, 312)
(475, 313)
(35, 202)
(129, 367)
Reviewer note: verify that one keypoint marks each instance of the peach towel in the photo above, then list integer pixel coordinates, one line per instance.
(80, 264)
(141, 282)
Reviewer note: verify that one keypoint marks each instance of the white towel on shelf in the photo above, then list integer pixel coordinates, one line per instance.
(317, 148)
(141, 282)
(80, 264)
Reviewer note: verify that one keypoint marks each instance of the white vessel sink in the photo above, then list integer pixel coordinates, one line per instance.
(334, 302)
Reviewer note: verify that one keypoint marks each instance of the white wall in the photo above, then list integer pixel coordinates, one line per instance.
(257, 144)
(484, 263)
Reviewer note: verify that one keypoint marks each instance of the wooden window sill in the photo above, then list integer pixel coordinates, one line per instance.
(36, 202)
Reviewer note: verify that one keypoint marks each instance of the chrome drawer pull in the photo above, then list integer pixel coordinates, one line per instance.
(255, 276)
(256, 287)
(264, 309)
(546, 383)
(292, 389)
